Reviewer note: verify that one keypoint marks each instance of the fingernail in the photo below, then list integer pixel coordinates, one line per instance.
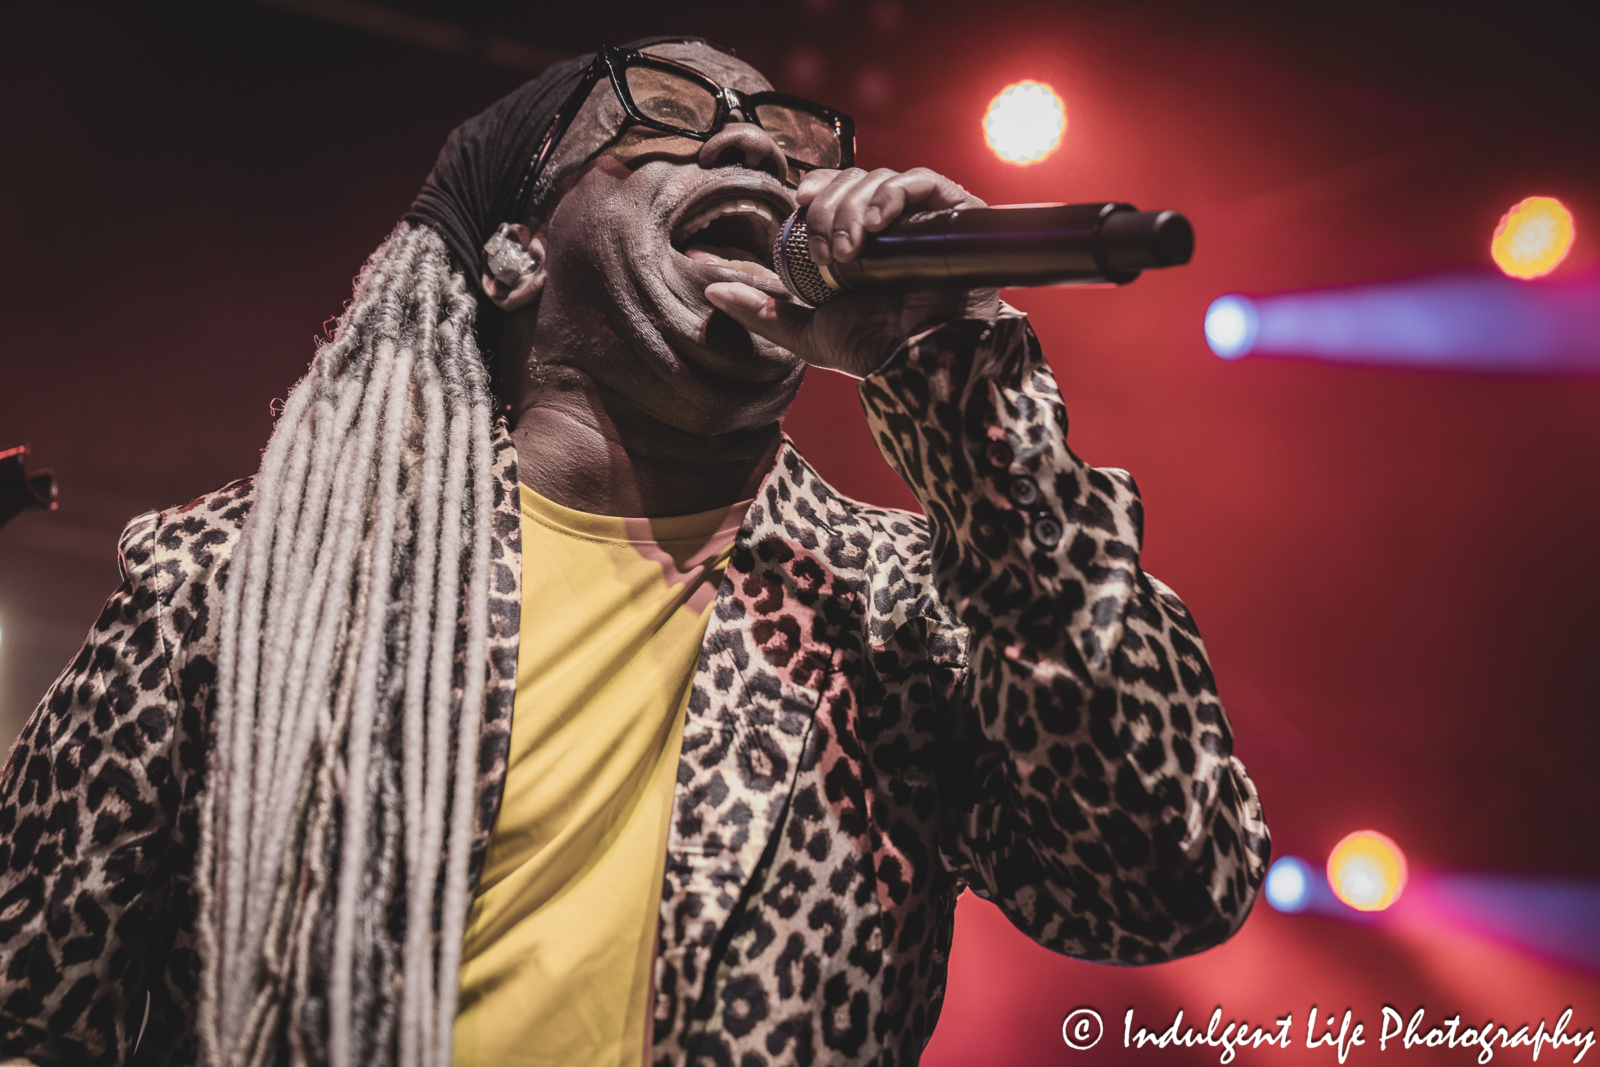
(841, 244)
(873, 217)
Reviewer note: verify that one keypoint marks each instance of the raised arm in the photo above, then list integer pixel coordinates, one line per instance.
(1111, 820)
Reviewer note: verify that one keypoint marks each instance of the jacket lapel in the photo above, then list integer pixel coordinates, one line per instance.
(768, 653)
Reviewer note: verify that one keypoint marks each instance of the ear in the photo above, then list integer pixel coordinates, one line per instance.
(512, 296)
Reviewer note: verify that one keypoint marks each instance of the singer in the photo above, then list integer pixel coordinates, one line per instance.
(536, 703)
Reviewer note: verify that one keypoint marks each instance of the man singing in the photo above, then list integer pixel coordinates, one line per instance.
(537, 704)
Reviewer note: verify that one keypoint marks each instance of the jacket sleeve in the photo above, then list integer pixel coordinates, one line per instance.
(88, 805)
(1106, 814)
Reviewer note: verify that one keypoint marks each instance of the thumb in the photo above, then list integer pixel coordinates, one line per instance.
(781, 322)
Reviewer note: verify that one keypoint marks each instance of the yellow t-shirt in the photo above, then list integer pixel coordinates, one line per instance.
(560, 941)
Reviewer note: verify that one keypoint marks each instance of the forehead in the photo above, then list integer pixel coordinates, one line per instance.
(718, 66)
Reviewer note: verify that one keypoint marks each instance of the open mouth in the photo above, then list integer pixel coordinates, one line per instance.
(735, 233)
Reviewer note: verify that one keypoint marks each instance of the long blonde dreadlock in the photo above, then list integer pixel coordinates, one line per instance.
(344, 757)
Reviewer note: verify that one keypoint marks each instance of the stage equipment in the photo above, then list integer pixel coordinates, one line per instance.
(995, 247)
(1024, 123)
(1474, 322)
(1367, 870)
(1533, 237)
(20, 490)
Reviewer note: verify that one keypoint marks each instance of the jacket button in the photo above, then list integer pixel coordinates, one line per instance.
(999, 454)
(1024, 490)
(1046, 532)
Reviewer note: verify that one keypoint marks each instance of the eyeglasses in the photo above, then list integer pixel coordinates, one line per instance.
(675, 99)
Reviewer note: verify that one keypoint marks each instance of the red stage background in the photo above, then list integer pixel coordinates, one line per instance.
(1395, 571)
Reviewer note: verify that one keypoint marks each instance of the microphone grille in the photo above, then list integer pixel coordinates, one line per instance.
(793, 262)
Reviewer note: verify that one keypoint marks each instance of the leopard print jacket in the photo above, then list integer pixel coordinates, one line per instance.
(888, 708)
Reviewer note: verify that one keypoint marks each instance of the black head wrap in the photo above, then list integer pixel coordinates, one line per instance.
(474, 184)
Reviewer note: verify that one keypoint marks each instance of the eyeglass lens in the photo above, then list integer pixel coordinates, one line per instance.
(677, 101)
(801, 134)
(668, 98)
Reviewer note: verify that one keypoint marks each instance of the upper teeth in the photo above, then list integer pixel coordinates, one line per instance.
(727, 207)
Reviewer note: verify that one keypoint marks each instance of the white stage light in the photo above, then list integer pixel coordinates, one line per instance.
(1025, 122)
(1231, 326)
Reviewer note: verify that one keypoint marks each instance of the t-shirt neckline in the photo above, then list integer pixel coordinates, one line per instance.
(716, 525)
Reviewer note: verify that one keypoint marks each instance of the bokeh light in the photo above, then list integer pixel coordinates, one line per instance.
(1367, 871)
(1289, 884)
(1025, 122)
(1232, 326)
(1533, 237)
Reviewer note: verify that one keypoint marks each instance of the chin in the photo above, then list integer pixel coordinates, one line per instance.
(719, 391)
(726, 348)
(729, 404)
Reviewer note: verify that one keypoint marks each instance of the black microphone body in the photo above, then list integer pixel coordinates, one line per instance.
(993, 247)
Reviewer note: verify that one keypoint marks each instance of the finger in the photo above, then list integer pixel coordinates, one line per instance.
(812, 183)
(919, 189)
(781, 322)
(819, 213)
(849, 213)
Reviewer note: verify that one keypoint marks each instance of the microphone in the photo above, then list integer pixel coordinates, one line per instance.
(1014, 246)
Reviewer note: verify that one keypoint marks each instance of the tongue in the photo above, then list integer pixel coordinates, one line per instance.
(732, 258)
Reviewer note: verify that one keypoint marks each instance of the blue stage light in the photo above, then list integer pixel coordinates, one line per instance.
(1289, 884)
(1472, 322)
(1232, 326)
(1552, 915)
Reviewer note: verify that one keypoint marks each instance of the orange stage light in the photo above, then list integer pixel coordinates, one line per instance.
(1367, 871)
(1533, 237)
(1025, 122)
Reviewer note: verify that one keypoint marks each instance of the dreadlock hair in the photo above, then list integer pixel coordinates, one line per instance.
(344, 755)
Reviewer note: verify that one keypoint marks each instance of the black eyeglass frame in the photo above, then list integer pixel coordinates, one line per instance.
(612, 61)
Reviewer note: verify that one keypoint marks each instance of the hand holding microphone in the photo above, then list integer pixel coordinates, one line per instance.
(915, 248)
(1023, 246)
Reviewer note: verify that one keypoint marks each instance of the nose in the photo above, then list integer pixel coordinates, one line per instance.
(744, 144)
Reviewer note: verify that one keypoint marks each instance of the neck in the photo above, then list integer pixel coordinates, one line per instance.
(577, 447)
